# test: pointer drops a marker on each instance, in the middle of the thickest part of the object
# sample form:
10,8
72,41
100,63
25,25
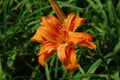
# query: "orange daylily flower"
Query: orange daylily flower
62,38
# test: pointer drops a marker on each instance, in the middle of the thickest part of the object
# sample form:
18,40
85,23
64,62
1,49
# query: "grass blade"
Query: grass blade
93,68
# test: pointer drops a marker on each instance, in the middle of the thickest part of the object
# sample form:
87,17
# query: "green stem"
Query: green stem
5,13
47,72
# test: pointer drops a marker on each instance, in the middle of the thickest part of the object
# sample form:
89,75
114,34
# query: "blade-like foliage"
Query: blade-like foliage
19,20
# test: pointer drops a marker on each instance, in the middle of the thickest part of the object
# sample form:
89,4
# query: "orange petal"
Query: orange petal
67,56
43,57
47,49
48,34
73,65
37,37
52,23
62,54
50,29
82,39
73,21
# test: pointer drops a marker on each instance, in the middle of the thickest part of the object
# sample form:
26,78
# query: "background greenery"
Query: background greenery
19,20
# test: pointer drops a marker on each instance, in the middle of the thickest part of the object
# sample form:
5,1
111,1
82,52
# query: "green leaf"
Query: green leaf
117,47
115,78
93,68
111,11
